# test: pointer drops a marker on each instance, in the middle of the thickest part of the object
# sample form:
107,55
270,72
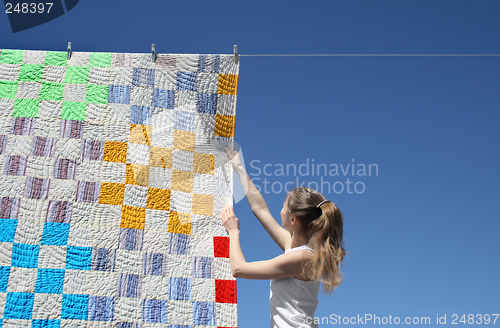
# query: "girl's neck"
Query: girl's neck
298,240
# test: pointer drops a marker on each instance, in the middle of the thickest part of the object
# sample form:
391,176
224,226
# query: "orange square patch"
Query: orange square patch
179,223
224,125
184,140
112,193
159,199
137,175
133,217
140,134
228,84
203,163
182,181
160,157
115,151
203,204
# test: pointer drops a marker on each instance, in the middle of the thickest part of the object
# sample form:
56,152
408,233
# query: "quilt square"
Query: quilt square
164,98
43,146
202,267
187,81
75,306
103,259
8,230
55,233
155,264
37,188
179,244
143,77
71,129
154,311
129,285
50,281
64,169
204,313
23,125
119,94
101,308
131,239
78,258
19,306
206,103
14,165
59,211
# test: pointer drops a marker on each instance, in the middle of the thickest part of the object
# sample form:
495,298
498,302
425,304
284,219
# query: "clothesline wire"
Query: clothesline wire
369,55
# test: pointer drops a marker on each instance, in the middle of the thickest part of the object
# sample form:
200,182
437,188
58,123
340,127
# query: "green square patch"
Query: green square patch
97,94
31,73
11,56
73,110
56,58
51,91
100,59
77,75
8,89
26,108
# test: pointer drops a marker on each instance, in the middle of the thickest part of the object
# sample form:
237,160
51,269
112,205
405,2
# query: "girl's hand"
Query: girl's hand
234,158
229,220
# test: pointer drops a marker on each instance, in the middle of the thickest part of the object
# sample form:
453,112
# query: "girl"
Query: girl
311,236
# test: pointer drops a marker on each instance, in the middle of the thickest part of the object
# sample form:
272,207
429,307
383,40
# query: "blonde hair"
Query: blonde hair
323,228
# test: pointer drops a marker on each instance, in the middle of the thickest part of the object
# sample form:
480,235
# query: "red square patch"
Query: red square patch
221,246
225,291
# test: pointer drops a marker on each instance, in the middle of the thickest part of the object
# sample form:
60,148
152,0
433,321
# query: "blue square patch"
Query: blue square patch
7,230
19,306
187,81
204,313
55,233
25,255
164,98
50,281
75,306
78,258
119,94
179,289
101,308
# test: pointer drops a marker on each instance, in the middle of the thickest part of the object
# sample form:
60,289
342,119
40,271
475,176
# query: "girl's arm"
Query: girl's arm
258,205
283,266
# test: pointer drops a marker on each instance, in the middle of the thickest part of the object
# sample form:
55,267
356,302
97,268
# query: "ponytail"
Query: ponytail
322,225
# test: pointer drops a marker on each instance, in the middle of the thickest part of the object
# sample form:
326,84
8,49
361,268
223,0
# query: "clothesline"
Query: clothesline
369,55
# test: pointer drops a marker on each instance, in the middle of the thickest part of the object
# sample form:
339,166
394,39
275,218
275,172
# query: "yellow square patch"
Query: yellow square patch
159,199
160,157
133,217
137,175
140,134
203,163
112,193
115,151
228,84
179,223
182,181
203,204
224,125
184,140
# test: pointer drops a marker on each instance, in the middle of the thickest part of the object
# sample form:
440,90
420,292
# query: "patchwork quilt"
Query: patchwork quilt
113,173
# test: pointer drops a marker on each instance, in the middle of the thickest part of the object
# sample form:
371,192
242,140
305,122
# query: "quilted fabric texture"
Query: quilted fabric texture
113,176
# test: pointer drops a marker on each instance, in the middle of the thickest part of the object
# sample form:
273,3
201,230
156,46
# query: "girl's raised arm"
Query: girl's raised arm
258,205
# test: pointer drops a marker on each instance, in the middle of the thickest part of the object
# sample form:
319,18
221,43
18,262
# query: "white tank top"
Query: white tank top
293,301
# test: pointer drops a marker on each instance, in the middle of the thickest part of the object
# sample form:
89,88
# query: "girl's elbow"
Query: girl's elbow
236,272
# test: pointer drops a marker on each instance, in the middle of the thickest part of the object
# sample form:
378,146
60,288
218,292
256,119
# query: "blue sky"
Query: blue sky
423,236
